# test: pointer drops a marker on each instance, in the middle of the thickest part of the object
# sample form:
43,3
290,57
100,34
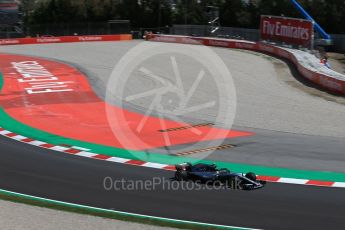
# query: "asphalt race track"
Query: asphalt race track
312,124
47,174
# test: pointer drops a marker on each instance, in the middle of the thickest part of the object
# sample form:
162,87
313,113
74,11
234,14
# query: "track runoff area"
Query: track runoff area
66,94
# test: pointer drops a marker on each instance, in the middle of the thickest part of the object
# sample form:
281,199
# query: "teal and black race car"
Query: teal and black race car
209,173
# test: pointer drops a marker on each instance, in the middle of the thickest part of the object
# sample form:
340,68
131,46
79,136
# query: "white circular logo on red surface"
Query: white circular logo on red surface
171,99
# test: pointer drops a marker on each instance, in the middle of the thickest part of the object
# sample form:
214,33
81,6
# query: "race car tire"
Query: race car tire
251,176
181,175
189,166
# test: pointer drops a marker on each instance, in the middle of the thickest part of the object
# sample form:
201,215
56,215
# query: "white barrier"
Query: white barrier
307,64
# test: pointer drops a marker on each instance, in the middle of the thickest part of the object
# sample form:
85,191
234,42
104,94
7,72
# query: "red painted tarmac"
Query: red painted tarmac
57,98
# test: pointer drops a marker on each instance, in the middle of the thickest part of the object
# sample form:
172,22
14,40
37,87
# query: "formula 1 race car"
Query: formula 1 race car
205,173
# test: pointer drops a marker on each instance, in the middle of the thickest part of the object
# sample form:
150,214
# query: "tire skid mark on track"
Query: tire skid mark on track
221,147
185,127
73,150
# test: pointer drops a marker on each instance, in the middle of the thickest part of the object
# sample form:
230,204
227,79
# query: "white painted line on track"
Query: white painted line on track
154,165
86,154
59,148
4,132
19,137
80,148
292,181
339,185
37,143
117,160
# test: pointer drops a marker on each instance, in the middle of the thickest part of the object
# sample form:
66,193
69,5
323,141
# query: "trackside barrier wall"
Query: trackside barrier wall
65,39
333,81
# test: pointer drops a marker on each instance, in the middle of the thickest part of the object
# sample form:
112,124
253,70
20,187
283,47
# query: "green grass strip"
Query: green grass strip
15,126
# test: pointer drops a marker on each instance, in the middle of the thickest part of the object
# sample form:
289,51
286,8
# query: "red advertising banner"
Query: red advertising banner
289,30
63,39
9,6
